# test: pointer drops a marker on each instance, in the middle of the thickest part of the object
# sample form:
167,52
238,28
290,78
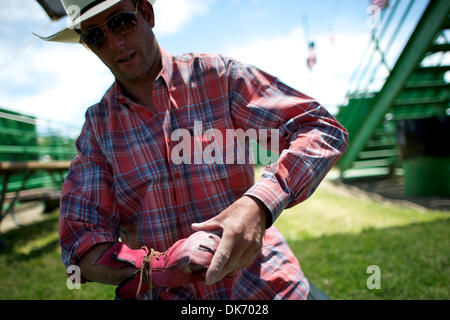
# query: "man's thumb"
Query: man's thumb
206,225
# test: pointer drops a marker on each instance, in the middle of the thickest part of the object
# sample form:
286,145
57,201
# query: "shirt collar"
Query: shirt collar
167,67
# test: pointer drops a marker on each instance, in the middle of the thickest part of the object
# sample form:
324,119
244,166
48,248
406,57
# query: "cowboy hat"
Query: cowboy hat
79,11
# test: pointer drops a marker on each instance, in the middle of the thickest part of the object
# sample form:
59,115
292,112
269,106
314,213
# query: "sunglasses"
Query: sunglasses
119,24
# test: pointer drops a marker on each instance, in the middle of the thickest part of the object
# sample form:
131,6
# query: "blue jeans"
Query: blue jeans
315,293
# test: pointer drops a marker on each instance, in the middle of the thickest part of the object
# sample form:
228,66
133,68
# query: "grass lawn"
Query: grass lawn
31,267
335,236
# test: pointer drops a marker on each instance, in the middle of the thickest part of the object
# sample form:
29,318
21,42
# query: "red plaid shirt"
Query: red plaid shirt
123,183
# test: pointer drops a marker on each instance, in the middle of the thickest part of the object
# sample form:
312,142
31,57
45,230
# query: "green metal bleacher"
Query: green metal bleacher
416,88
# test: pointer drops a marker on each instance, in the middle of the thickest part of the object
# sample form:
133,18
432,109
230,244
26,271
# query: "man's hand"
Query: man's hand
243,225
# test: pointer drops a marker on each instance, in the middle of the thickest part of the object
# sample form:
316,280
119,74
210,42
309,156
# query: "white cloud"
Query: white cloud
57,82
23,10
51,81
60,81
285,56
172,15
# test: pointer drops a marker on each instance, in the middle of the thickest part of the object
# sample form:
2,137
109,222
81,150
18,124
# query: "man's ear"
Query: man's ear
149,14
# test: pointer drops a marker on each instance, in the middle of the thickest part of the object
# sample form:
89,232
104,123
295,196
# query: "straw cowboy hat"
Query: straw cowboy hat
79,11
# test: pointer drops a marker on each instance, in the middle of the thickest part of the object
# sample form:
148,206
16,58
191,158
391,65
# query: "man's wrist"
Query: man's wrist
127,273
265,214
94,272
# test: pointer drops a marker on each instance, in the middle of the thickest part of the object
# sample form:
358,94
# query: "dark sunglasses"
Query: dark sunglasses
119,24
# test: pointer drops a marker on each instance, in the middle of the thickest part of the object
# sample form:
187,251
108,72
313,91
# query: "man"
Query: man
124,182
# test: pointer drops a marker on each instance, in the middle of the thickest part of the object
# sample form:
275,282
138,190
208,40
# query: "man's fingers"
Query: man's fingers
246,263
243,256
240,254
214,270
232,274
231,255
220,258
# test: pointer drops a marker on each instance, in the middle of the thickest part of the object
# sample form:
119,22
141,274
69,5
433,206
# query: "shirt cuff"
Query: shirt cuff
272,195
87,242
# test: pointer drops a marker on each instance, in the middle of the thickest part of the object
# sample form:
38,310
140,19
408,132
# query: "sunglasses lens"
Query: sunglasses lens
119,24
122,23
93,38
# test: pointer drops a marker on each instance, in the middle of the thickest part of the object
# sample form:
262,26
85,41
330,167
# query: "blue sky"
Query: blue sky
60,81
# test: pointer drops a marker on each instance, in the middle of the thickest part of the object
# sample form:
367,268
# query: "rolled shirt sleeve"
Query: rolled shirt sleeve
310,139
88,215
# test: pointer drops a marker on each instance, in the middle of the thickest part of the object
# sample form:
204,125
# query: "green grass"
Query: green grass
335,237
31,267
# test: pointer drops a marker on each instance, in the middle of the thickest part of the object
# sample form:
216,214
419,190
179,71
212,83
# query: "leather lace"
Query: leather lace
146,274
147,270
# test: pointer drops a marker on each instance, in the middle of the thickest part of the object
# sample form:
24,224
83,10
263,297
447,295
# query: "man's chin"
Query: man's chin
129,77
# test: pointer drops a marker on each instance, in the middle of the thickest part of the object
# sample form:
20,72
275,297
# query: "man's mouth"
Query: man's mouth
126,58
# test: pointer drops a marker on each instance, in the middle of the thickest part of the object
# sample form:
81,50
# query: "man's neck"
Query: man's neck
141,91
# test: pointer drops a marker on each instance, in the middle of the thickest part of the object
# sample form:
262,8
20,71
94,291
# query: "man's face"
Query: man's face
129,56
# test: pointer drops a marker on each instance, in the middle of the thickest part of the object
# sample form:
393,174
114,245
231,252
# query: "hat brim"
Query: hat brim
69,35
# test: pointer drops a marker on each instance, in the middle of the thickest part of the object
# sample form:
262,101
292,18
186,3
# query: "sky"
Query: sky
58,82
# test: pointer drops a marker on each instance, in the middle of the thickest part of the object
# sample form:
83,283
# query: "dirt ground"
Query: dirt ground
387,189
24,214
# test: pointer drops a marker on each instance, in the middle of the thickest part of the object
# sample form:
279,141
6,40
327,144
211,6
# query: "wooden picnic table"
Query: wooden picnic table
11,167
50,196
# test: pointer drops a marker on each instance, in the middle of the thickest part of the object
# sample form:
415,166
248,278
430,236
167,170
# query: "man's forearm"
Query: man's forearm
100,273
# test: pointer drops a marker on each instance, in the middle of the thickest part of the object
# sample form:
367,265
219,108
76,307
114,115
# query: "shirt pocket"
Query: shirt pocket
209,143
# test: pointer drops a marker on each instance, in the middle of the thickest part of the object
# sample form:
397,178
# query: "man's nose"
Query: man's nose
114,41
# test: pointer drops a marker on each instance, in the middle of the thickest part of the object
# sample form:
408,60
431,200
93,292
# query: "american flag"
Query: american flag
382,4
312,58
